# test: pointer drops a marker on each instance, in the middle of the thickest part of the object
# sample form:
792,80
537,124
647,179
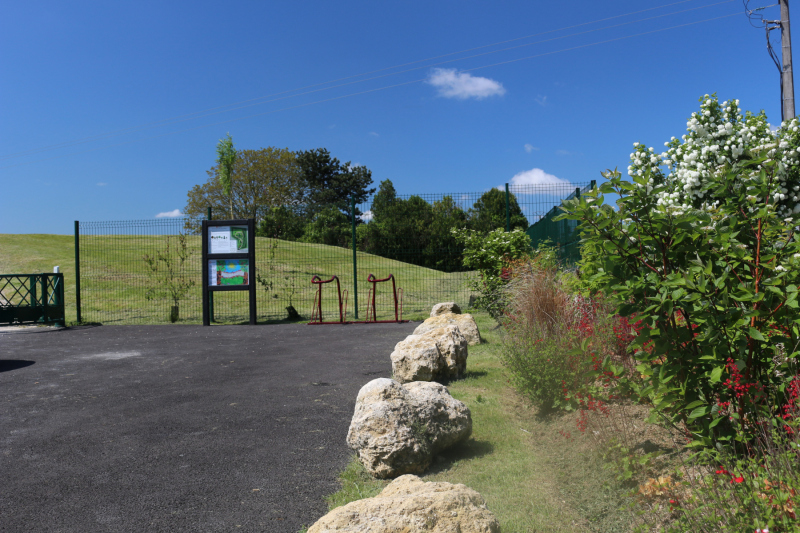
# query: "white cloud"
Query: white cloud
374,134
541,100
366,216
101,184
530,148
170,214
536,176
452,84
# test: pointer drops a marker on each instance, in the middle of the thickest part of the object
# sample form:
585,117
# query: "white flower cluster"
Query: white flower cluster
717,137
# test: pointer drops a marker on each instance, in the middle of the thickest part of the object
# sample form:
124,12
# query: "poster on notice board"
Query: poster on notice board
228,272
227,240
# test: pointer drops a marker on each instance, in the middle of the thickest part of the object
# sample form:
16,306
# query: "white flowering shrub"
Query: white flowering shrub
717,137
702,249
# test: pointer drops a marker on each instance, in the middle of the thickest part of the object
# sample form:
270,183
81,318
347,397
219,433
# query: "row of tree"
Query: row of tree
306,196
253,182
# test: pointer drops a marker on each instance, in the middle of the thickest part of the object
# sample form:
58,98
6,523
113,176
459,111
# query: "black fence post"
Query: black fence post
355,260
78,271
210,294
508,212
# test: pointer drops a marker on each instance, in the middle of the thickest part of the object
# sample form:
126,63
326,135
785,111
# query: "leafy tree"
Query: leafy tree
262,179
226,157
329,182
284,222
489,212
414,231
329,226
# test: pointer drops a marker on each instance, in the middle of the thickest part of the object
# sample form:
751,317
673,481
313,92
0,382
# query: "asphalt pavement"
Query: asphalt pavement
179,428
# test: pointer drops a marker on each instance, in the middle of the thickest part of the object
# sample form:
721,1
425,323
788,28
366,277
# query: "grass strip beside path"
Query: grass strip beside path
531,476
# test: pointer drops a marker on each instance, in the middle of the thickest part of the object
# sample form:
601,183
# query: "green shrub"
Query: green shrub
706,257
491,254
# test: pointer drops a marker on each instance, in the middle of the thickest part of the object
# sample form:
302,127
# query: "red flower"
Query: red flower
737,479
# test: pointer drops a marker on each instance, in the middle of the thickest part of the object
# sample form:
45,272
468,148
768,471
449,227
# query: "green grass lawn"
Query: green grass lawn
115,279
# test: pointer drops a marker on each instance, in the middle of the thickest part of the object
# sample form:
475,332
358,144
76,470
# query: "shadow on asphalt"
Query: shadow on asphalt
7,365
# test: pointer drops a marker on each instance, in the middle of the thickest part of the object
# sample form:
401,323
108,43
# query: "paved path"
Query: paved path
179,428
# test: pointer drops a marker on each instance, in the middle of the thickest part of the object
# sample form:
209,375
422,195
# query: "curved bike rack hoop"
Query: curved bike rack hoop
398,304
316,311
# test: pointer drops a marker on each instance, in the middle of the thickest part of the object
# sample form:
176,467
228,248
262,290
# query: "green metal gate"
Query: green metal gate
32,299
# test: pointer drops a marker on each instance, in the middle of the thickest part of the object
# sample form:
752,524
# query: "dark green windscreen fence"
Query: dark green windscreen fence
136,271
563,234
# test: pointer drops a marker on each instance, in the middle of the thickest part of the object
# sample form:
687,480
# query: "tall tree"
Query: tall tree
261,179
330,182
489,212
226,157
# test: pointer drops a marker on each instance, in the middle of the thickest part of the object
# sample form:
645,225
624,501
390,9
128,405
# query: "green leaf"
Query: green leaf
715,375
698,412
755,334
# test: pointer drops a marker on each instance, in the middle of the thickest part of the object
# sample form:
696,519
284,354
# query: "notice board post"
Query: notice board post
229,261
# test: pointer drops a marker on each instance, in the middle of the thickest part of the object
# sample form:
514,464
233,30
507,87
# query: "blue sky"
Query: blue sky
573,85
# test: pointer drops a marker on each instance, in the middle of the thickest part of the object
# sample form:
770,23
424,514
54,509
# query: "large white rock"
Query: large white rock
466,324
410,505
438,354
398,429
445,307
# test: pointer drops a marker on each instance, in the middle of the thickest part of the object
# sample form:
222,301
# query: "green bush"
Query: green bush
491,254
706,257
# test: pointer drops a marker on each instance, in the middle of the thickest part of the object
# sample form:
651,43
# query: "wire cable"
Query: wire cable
228,121
263,99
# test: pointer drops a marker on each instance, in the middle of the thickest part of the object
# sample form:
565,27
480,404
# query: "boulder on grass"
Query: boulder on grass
439,354
445,307
464,322
398,429
411,505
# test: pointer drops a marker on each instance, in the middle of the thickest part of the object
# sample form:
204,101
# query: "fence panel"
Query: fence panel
135,271
562,234
32,298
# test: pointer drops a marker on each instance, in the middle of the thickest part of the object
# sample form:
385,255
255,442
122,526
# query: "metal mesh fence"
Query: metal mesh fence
407,236
563,234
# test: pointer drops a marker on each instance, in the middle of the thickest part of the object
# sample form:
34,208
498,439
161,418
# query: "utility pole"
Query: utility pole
787,78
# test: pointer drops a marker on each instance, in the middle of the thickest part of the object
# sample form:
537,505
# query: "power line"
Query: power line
578,47
285,94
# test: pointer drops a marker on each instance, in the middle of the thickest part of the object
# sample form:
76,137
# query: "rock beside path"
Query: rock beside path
438,354
445,307
398,429
466,324
410,505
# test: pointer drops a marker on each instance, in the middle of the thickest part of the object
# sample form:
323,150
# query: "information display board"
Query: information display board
228,272
229,261
227,240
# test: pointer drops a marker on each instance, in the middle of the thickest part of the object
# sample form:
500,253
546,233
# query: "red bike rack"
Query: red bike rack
398,304
316,312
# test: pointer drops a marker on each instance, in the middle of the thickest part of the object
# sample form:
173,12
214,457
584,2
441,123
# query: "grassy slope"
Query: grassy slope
114,278
532,477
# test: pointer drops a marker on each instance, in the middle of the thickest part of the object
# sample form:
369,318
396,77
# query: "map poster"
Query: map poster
225,272
227,240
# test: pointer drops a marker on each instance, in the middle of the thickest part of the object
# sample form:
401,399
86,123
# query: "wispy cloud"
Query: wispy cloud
101,184
462,85
366,216
541,100
170,214
374,134
530,148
